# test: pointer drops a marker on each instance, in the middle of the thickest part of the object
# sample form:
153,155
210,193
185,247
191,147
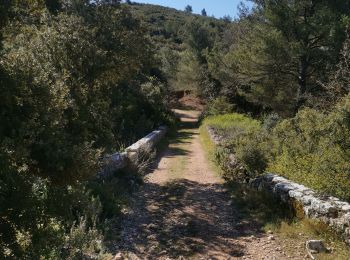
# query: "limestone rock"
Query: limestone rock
315,246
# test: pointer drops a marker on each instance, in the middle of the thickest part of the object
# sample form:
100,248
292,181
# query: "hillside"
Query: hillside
167,25
178,36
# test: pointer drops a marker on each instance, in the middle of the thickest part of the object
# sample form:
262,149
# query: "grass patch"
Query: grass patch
234,122
209,149
298,231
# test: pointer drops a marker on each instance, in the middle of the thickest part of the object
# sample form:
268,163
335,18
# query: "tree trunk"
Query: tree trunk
303,67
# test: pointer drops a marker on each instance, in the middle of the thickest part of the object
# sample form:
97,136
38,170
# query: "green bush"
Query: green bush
313,148
245,151
252,155
218,106
75,84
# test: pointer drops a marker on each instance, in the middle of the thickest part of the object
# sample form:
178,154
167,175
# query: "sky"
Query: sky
218,8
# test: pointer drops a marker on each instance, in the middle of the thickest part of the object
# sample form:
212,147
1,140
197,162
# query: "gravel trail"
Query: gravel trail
183,210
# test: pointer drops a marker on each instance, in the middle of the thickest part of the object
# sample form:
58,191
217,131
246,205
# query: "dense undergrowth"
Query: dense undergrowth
311,148
78,80
261,209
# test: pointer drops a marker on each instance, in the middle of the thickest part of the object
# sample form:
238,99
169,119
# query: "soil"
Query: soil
183,210
188,102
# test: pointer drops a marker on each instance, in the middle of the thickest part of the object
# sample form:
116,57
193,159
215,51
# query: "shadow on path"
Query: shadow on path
183,218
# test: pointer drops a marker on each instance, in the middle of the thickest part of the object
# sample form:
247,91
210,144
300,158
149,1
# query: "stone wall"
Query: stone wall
330,210
117,161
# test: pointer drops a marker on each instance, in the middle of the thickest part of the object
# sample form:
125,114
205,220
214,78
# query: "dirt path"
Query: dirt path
184,212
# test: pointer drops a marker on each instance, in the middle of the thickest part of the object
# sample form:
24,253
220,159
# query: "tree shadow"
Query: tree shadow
183,136
184,218
189,125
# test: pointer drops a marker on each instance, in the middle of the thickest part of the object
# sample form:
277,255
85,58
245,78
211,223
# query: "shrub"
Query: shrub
252,155
313,148
245,151
83,242
73,88
218,106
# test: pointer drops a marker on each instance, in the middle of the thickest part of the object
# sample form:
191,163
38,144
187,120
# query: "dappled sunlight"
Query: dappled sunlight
181,218
185,210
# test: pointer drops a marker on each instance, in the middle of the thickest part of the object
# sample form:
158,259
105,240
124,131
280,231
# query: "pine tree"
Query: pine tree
188,9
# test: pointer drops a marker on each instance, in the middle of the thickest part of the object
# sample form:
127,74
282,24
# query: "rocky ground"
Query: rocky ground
183,211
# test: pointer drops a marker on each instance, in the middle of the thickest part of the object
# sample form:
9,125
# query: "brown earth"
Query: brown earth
187,102
183,210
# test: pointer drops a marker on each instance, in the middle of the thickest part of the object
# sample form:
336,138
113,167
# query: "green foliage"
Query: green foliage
83,242
218,106
234,123
251,152
77,81
313,149
188,9
244,152
277,54
182,41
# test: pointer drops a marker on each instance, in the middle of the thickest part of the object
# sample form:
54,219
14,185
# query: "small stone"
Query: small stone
269,232
316,246
118,256
271,237
152,237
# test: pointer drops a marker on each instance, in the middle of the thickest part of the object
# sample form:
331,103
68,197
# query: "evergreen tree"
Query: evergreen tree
188,9
315,34
227,18
284,49
204,12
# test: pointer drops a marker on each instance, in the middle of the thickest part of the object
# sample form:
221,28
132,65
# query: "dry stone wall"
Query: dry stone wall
330,210
117,161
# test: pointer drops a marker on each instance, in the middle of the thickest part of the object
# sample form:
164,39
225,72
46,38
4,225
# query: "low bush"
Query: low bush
244,152
75,85
312,148
218,106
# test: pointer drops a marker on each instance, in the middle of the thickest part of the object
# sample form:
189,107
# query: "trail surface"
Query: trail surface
184,212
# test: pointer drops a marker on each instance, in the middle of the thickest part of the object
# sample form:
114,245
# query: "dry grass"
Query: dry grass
296,232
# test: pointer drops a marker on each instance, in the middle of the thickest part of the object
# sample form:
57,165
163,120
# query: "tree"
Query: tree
188,9
199,38
204,12
53,5
314,32
71,90
283,49
227,18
